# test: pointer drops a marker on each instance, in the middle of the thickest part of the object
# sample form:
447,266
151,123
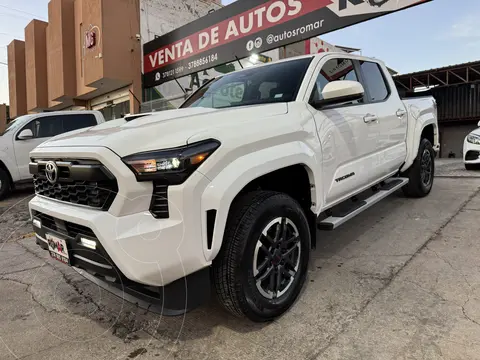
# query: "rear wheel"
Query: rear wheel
263,263
422,172
471,166
5,184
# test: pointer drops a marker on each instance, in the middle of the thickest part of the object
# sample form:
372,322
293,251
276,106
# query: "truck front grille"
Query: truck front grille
81,182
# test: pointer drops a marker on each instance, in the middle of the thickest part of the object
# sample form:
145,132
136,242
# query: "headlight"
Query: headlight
474,139
170,166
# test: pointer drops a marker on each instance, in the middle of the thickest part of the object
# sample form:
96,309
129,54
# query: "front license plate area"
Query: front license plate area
58,249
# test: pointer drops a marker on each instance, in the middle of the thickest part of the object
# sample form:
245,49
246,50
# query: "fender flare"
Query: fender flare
414,138
223,189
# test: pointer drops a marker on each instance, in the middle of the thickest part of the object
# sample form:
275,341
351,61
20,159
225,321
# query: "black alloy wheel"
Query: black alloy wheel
262,265
426,172
422,172
277,258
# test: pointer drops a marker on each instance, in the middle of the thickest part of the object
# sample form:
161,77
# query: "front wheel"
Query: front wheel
263,263
422,172
471,166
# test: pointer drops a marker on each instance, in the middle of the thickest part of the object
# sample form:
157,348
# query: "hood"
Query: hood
162,130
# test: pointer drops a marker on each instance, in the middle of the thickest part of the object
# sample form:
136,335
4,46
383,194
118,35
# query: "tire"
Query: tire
417,187
5,184
471,167
242,256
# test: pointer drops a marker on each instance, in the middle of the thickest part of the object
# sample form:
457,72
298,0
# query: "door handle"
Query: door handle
401,113
370,118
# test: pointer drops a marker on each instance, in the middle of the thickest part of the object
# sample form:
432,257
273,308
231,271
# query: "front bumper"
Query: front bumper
471,153
144,250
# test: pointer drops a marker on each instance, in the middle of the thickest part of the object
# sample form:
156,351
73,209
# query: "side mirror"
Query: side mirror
478,124
340,91
25,134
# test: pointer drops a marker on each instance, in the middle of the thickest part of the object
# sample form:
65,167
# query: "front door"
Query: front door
347,136
42,128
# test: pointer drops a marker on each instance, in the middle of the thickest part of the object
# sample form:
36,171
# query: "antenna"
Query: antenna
236,57
181,87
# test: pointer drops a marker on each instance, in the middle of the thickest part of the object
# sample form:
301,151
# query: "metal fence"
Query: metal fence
458,103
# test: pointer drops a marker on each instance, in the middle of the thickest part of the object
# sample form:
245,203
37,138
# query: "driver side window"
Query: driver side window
334,70
45,127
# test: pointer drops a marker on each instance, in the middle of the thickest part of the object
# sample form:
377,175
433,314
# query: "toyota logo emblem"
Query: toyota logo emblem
51,171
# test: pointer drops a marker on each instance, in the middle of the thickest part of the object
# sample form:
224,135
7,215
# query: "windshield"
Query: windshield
261,85
14,124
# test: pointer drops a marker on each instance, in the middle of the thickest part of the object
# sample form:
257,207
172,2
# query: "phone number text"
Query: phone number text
189,66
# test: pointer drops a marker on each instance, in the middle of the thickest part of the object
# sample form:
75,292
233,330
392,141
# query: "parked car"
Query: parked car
471,150
26,132
230,188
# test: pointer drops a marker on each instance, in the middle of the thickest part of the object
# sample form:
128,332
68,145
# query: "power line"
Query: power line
10,34
2,63
21,11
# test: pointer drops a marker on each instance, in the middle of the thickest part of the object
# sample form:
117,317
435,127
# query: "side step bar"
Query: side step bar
390,186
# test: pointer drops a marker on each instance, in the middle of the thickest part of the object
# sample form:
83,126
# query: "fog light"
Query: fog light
37,223
91,244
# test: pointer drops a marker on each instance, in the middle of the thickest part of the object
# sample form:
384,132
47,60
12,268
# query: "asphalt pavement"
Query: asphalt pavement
400,281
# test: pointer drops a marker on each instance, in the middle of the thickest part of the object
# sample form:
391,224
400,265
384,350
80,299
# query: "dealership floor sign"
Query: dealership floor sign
253,26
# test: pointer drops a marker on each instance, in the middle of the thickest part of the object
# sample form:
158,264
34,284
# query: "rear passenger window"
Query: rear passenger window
374,81
78,121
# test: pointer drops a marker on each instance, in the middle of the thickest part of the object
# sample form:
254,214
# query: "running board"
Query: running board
389,186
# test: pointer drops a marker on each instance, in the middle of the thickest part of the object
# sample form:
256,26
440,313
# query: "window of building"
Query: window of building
374,81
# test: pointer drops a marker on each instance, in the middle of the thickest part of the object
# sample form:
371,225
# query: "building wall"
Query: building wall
452,137
3,117
63,71
36,65
16,78
61,52
159,17
82,89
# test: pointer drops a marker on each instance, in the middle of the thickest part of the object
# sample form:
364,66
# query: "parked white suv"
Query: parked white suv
26,132
231,187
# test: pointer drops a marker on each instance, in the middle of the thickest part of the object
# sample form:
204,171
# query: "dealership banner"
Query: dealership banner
249,27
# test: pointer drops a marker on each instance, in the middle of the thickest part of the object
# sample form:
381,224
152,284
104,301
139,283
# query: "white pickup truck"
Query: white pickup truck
26,132
230,189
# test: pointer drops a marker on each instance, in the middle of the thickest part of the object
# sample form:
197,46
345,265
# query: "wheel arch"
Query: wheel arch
5,168
424,128
255,171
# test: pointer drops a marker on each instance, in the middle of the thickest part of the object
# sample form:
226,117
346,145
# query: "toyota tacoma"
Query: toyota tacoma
232,189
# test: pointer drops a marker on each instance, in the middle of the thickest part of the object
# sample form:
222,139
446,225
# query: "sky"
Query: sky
439,33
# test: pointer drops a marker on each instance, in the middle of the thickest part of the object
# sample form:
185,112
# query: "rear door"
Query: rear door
390,113
347,137
78,121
